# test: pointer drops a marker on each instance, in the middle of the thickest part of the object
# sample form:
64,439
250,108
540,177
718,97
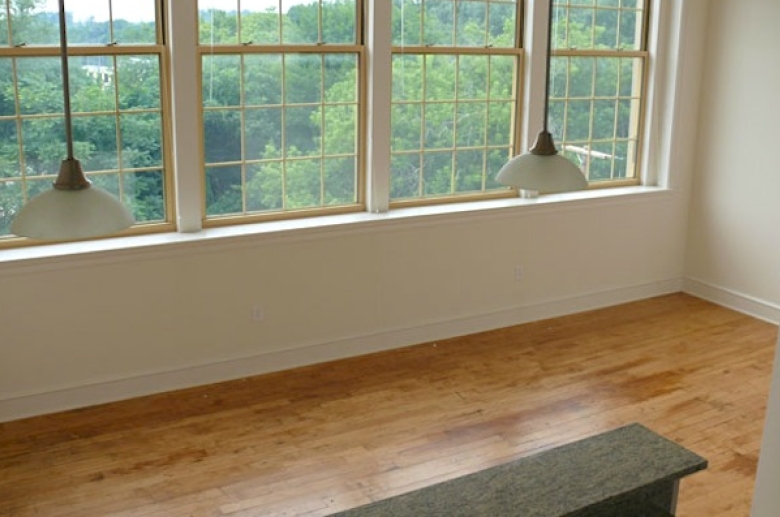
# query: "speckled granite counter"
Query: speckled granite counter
628,472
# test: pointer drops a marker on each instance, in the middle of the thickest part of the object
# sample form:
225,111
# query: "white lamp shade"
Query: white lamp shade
71,214
547,174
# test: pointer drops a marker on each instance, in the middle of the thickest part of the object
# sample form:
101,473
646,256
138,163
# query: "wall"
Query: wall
733,256
733,253
91,328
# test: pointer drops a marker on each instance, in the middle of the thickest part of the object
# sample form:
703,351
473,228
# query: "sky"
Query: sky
143,10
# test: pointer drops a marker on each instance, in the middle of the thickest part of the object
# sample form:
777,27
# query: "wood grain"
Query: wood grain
315,440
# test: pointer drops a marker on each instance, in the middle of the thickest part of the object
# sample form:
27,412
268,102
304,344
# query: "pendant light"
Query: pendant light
543,170
73,209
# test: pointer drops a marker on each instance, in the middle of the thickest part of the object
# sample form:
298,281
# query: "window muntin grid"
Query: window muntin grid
36,23
600,24
278,22
116,104
598,74
281,117
594,113
454,97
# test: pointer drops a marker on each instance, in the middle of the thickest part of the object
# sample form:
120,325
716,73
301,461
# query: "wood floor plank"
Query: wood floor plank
319,439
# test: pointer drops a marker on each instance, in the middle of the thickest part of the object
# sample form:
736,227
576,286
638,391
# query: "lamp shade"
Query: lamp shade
543,173
71,214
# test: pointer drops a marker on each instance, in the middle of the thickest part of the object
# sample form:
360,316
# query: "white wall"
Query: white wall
734,247
86,329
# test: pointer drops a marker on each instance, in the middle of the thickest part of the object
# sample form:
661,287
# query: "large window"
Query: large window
454,97
598,77
270,99
280,83
115,76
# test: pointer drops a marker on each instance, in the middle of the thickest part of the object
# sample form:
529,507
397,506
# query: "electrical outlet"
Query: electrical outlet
258,313
518,272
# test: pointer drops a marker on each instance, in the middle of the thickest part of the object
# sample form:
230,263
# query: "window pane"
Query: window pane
134,22
40,85
406,176
222,135
340,177
218,22
468,170
92,84
263,130
407,126
96,30
11,201
262,79
338,21
221,80
408,77
302,78
265,187
260,21
141,140
303,180
44,145
437,173
502,24
300,22
223,190
9,149
139,82
99,134
33,23
144,193
407,22
7,102
4,42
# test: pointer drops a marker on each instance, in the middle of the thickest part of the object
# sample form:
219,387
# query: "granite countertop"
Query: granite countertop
554,483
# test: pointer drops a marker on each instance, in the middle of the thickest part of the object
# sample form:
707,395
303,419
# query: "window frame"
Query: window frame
114,50
639,111
177,23
320,48
518,51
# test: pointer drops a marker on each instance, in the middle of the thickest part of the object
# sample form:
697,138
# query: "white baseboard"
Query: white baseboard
737,301
22,406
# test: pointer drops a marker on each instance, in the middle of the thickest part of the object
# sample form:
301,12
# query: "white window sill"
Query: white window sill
125,248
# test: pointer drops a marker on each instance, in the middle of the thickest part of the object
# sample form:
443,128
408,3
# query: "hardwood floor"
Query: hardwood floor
324,438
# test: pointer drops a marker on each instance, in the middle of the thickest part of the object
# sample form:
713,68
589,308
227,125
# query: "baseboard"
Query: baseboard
735,300
22,406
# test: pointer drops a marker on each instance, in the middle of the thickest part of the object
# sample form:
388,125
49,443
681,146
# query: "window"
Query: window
597,81
454,97
281,110
115,69
281,117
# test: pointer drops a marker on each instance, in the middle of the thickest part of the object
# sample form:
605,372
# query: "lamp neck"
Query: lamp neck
65,80
544,145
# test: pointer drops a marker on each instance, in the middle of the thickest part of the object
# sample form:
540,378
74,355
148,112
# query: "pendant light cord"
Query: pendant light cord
548,59
66,80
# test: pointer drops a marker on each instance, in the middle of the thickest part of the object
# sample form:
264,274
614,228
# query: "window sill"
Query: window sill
243,235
